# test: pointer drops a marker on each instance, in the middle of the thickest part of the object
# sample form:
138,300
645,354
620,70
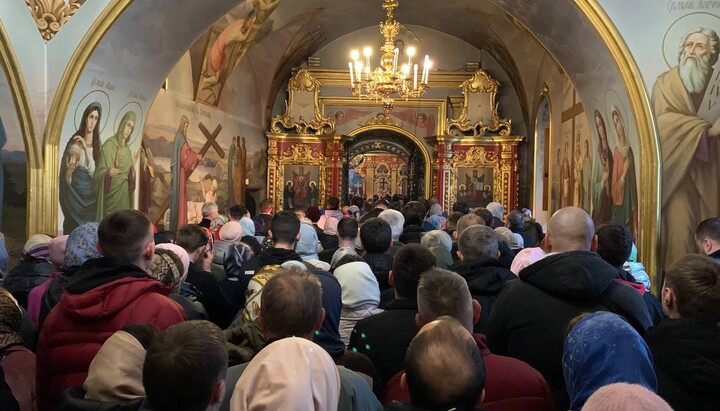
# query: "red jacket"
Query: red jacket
510,384
102,297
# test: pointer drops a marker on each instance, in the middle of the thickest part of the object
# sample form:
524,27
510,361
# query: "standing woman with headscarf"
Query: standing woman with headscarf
114,178
77,195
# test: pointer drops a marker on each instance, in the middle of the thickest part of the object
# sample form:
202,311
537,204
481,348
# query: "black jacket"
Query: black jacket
529,318
486,279
216,303
28,274
73,399
687,363
385,337
380,264
651,302
411,234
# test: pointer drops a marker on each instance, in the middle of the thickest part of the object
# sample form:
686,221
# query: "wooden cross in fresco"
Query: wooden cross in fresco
211,137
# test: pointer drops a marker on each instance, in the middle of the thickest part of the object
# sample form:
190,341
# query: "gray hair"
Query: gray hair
442,292
436,238
208,208
478,241
496,209
396,221
713,43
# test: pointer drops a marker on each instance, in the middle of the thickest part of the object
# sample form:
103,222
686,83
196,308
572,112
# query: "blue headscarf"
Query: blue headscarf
81,246
603,349
432,223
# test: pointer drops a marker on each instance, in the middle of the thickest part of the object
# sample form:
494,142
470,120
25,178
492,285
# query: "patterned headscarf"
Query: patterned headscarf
81,245
37,247
254,291
10,320
167,267
602,349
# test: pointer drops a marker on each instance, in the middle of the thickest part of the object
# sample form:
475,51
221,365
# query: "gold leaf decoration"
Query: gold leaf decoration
51,15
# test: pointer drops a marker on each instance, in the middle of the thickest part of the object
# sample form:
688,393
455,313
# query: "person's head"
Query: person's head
496,209
444,368
621,396
409,263
193,239
209,210
332,203
291,305
232,231
484,213
313,213
526,257
614,243
478,241
697,54
126,127
515,219
307,245
237,212
571,229
442,292
111,380
415,208
707,236
619,127
266,206
692,289
601,349
396,221
451,224
185,367
376,235
37,248
168,267
11,320
56,250
291,374
285,229
81,246
347,229
601,130
339,256
183,127
461,207
127,235
358,283
466,221
436,238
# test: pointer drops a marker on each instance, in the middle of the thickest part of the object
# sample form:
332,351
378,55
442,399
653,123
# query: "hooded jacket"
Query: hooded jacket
103,296
687,362
486,279
529,318
380,264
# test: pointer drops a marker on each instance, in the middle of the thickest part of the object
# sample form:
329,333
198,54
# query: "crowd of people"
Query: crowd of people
379,304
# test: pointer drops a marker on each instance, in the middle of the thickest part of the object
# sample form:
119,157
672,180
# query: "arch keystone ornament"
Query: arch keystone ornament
51,15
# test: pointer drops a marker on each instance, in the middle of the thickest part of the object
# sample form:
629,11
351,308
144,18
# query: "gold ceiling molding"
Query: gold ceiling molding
61,102
470,120
51,15
303,91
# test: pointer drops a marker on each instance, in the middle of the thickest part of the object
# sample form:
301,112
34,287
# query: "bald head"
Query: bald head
570,229
443,367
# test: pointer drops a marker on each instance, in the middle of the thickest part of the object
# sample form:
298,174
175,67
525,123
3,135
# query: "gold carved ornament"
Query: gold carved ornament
381,119
304,155
480,82
51,15
303,82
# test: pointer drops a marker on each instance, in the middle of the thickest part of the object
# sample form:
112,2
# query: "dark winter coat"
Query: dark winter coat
486,279
211,296
380,264
529,318
28,274
102,297
687,363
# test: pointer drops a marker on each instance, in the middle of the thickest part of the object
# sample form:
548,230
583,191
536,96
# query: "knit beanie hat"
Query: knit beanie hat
231,231
37,247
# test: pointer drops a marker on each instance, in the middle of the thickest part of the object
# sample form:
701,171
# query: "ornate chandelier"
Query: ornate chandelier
392,78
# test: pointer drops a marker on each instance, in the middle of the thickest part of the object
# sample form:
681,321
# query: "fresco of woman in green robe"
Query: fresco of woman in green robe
114,178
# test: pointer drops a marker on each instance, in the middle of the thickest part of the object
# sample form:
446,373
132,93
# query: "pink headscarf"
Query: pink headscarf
622,396
526,257
292,374
57,250
331,226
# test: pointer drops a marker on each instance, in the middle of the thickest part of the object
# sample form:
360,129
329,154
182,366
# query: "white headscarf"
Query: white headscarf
358,284
292,374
